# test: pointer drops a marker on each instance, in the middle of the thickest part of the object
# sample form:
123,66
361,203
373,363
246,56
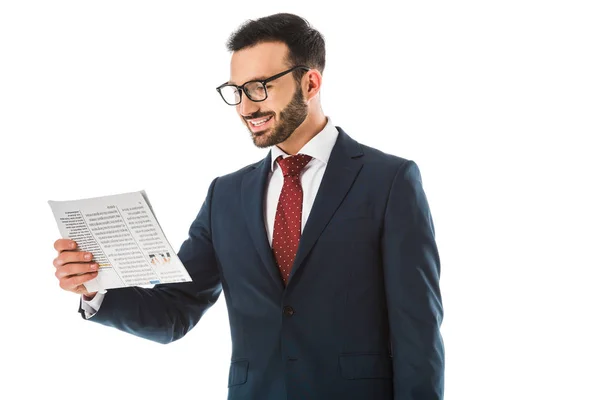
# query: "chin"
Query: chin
261,141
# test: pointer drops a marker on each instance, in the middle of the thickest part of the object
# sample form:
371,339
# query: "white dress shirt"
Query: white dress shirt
319,148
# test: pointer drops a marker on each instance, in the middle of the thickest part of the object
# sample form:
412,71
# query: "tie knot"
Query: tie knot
292,165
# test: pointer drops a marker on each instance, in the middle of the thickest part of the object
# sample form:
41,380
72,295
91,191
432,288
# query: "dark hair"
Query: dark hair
306,44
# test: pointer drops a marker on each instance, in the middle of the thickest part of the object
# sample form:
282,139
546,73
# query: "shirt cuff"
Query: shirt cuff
92,306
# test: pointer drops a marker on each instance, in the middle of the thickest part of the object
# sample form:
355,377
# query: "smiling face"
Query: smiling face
275,119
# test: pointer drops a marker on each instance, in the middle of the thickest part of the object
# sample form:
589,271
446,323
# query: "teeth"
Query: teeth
262,121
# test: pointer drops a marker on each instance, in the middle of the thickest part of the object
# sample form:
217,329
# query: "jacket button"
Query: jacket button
288,311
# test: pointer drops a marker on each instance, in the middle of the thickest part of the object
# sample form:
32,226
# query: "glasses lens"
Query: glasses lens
230,94
256,91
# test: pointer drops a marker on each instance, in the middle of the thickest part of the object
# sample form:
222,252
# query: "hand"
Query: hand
73,267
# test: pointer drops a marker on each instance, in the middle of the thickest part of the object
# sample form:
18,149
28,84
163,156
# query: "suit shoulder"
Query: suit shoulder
377,156
238,174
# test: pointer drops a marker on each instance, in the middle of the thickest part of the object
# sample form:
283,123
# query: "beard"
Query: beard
290,118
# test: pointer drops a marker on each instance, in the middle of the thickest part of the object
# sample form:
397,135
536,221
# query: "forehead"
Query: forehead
258,62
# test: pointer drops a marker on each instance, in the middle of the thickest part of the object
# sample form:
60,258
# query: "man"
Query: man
324,249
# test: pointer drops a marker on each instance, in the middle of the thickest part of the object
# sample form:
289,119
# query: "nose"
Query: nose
247,106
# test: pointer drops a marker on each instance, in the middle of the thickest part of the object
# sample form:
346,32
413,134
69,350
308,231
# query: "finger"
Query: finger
81,290
72,256
65,244
75,269
71,283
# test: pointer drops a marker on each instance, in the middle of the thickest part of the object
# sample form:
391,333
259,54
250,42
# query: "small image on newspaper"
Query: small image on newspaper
125,238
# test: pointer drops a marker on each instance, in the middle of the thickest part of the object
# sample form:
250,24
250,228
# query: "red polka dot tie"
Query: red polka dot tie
288,218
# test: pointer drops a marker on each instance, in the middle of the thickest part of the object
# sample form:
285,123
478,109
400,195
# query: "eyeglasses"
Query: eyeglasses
255,90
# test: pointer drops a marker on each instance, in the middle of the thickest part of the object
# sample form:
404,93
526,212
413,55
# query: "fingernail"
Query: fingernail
88,256
94,266
73,245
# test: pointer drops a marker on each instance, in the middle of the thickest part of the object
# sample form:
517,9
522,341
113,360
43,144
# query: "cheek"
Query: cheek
269,107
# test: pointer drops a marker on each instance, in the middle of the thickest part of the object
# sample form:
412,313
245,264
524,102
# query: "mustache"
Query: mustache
258,115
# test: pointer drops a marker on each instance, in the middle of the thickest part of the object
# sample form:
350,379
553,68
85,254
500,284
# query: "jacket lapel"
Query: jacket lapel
341,171
253,193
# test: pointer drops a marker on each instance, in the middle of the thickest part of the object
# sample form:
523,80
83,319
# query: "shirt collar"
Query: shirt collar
319,147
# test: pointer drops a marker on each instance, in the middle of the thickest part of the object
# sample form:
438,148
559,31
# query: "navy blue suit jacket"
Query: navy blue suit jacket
360,316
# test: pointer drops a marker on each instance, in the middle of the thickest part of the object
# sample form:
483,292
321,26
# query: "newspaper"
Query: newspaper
125,238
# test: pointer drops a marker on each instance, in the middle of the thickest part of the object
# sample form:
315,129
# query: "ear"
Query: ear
311,83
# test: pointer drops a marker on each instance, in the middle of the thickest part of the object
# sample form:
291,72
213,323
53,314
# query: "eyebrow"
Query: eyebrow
259,78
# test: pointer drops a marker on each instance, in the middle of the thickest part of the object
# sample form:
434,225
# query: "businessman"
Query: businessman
324,250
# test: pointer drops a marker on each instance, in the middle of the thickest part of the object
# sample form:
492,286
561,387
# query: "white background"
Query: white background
497,102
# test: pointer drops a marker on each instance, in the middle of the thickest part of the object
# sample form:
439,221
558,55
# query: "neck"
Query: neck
312,125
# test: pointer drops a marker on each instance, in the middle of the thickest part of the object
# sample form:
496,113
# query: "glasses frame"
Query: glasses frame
264,82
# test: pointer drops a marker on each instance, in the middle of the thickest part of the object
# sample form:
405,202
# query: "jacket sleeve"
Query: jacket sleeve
412,270
167,312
